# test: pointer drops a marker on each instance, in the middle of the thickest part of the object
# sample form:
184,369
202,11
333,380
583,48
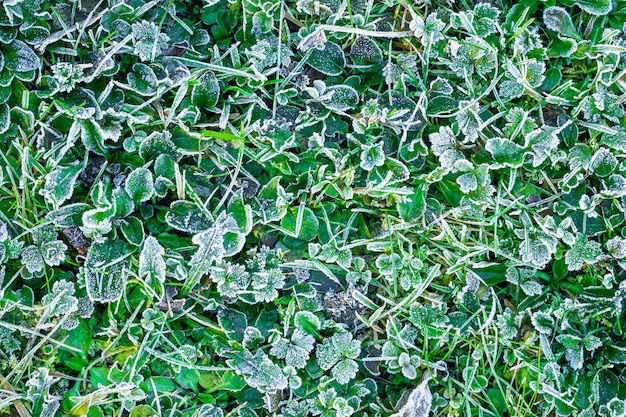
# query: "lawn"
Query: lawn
247,208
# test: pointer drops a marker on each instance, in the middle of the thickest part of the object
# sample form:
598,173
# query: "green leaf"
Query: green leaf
583,251
329,61
372,156
132,229
105,270
505,152
19,57
32,259
301,223
60,182
340,98
5,117
558,19
595,7
158,144
53,252
140,185
207,92
187,217
151,262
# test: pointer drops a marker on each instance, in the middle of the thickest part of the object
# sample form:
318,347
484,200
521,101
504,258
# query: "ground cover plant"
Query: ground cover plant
247,208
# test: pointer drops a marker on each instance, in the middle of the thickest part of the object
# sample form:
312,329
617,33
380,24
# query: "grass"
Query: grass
297,208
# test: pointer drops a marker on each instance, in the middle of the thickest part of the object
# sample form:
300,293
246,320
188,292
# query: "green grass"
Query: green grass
297,208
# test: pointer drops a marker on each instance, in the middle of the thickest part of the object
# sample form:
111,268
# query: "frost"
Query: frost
59,185
469,121
372,156
259,371
67,75
340,98
538,250
365,49
442,141
505,152
147,40
54,252
542,142
43,403
208,410
105,272
230,279
467,182
338,352
32,259
603,162
266,284
429,30
617,247
485,19
19,57
522,277
61,299
211,244
329,60
186,217
151,262
616,141
419,402
583,251
8,342
595,7
543,322
207,92
140,185
142,79
296,351
558,19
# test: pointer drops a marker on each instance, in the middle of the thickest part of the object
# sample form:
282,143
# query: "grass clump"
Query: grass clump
312,208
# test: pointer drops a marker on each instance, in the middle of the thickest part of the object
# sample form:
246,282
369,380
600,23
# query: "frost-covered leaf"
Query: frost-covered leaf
105,270
61,300
147,40
485,19
43,403
595,7
542,142
140,185
372,156
617,247
259,371
142,79
339,347
505,152
538,250
340,98
307,322
211,248
32,259
208,410
345,371
329,60
151,262
543,322
603,162
467,182
296,351
53,252
60,183
266,284
19,57
419,402
558,19
187,217
365,50
583,251
272,201
5,117
230,279
157,144
207,92
616,140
